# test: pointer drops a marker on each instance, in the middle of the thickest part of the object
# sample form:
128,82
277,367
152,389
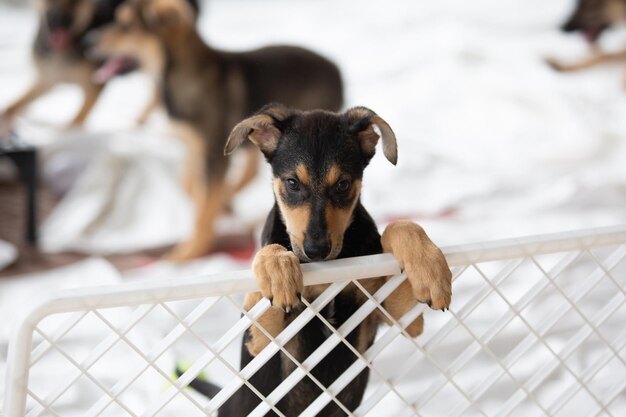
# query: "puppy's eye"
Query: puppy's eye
342,186
292,184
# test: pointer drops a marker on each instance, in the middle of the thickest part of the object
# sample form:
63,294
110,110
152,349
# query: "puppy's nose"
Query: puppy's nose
316,249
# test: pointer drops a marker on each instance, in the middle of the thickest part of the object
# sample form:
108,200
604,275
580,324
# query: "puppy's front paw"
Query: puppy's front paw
278,273
424,264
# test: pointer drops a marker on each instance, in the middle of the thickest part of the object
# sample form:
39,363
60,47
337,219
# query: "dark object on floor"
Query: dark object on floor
24,157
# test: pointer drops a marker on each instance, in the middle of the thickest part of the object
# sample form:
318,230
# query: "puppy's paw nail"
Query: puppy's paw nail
271,299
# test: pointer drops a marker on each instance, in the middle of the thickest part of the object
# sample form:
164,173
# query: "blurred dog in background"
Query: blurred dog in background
592,18
123,44
207,91
60,55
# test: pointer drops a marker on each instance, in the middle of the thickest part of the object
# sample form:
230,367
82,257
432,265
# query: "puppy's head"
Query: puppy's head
133,41
317,159
66,21
593,17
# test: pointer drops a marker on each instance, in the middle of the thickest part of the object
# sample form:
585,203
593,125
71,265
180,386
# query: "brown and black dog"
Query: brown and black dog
592,18
59,53
317,160
207,91
123,44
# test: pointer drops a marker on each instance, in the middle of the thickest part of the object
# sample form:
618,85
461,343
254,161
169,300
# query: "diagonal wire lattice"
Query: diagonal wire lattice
535,328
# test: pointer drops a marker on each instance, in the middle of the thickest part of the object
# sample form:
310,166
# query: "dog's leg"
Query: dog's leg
35,91
91,92
204,178
209,202
194,175
38,89
251,169
151,107
423,262
398,303
278,274
591,61
273,321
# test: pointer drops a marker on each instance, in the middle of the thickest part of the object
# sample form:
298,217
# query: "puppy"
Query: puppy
206,91
60,56
592,18
317,160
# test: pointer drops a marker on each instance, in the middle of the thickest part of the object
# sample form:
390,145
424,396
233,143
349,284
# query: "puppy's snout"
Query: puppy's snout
317,249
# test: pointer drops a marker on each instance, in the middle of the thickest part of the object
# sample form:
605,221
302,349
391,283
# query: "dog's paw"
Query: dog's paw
423,262
278,273
186,251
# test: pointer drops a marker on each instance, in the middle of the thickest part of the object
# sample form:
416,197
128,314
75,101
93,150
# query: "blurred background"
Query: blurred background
493,143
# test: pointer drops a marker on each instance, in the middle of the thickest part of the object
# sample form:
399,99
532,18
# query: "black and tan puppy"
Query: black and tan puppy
318,159
207,91
59,53
592,18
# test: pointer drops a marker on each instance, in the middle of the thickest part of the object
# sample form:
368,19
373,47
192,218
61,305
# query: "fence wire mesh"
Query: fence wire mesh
536,327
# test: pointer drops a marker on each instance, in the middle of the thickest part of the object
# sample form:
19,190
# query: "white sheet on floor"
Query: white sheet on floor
492,143
127,198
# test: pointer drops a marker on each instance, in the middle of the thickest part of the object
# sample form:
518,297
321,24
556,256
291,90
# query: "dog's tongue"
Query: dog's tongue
113,67
60,39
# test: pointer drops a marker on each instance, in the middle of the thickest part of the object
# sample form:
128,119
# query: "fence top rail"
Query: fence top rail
242,281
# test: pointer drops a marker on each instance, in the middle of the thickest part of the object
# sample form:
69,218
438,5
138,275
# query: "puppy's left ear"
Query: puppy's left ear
362,121
261,129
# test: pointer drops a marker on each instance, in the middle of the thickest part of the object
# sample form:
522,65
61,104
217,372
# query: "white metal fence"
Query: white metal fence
537,327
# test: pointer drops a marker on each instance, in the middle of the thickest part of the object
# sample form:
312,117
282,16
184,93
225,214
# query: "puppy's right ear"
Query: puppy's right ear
362,121
261,129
